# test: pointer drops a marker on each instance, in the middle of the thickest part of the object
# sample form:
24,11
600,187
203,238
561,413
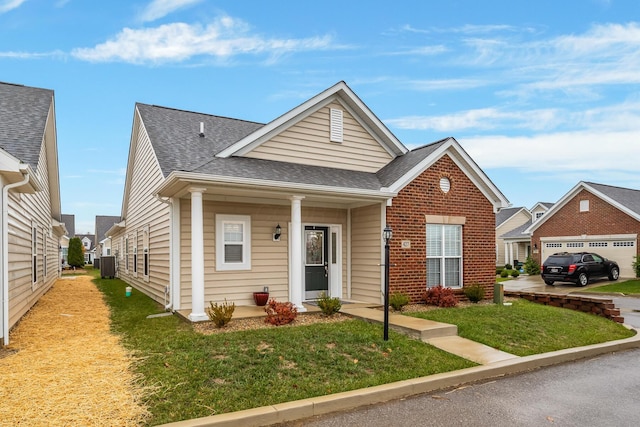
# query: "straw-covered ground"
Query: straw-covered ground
64,367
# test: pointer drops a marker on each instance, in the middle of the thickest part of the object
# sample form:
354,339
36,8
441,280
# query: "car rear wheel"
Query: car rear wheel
549,282
614,273
583,279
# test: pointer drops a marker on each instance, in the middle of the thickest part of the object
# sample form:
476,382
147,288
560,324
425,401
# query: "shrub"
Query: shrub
636,266
220,314
504,273
515,273
75,256
474,292
498,270
531,267
508,266
398,300
328,305
280,313
440,296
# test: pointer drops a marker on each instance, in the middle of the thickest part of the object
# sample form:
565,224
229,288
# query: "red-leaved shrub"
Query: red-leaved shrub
280,313
440,296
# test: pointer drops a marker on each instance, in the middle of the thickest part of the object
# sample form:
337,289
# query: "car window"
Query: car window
596,258
587,258
558,259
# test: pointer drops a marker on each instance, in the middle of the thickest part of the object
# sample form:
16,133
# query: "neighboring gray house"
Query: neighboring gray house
513,243
31,225
69,222
103,240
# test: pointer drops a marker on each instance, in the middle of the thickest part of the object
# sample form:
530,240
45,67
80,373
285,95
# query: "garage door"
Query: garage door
619,250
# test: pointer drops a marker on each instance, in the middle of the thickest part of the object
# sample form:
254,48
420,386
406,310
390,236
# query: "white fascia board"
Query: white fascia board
135,130
303,110
612,202
115,228
207,179
466,164
559,204
514,214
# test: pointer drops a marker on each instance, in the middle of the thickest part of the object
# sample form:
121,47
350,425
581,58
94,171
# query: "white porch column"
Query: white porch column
511,253
197,257
506,253
296,282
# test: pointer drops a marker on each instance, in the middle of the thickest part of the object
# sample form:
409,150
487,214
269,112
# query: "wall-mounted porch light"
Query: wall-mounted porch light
277,233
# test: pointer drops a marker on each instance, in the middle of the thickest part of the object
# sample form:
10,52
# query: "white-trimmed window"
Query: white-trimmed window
233,242
34,253
44,254
444,255
135,254
126,254
336,131
145,253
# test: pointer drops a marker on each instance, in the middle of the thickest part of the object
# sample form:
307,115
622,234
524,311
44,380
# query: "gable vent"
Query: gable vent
336,125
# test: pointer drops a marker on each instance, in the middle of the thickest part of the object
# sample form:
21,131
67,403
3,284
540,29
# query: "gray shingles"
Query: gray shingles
23,117
103,224
69,222
403,164
505,214
624,196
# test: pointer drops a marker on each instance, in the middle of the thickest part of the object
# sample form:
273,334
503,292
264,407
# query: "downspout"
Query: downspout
5,256
169,305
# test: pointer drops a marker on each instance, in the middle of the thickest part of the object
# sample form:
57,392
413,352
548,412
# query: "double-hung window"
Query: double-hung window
444,255
233,242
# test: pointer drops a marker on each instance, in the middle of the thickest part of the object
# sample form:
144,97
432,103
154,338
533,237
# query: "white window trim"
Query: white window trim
584,205
135,254
44,254
34,254
246,243
145,254
443,257
126,254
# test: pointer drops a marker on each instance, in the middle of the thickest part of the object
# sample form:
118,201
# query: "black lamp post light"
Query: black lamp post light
387,233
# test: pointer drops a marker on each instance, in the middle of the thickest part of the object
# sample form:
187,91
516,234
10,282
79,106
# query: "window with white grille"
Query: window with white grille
336,131
629,243
598,244
444,255
553,245
233,242
575,245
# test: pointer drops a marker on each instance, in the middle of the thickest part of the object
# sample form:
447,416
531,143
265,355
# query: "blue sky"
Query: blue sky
542,94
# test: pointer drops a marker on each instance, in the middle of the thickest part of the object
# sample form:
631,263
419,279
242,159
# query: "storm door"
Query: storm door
316,261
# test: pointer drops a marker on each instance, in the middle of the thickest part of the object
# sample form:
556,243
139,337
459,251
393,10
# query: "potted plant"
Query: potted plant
261,297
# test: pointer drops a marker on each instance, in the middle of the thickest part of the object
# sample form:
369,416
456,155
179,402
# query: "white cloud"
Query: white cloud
7,5
223,38
585,151
160,8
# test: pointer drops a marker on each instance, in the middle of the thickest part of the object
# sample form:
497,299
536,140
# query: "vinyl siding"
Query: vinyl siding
307,142
269,259
366,253
145,212
25,210
513,222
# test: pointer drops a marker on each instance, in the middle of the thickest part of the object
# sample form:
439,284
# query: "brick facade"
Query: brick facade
406,216
601,219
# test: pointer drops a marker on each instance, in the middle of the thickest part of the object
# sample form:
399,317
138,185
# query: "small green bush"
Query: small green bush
474,293
397,300
515,273
220,314
504,273
498,270
508,266
280,313
328,305
636,265
440,296
531,267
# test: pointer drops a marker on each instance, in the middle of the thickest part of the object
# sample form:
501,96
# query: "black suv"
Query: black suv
578,267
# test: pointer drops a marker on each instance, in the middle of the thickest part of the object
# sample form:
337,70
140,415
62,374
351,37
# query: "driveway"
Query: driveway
629,306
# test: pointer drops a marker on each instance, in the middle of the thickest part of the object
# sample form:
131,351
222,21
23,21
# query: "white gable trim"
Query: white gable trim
465,163
339,90
570,195
514,214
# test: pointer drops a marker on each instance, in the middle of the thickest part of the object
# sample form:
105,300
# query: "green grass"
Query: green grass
630,287
526,328
197,375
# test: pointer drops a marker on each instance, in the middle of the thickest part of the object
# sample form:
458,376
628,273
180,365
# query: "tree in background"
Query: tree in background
75,255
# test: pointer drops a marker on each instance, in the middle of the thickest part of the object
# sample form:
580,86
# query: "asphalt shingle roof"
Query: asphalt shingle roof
69,222
624,196
505,214
103,224
178,146
23,117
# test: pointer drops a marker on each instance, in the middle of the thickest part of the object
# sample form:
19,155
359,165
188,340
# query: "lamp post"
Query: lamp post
387,233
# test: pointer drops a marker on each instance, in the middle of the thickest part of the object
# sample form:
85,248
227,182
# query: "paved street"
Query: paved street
602,391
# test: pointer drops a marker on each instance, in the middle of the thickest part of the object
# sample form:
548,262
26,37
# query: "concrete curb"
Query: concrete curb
306,408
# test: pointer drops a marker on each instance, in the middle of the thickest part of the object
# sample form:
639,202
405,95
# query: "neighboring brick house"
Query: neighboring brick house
297,205
593,218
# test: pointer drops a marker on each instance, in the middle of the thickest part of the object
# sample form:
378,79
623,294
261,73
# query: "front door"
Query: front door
316,261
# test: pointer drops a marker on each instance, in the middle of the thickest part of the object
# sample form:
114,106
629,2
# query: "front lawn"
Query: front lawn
526,328
194,375
630,287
